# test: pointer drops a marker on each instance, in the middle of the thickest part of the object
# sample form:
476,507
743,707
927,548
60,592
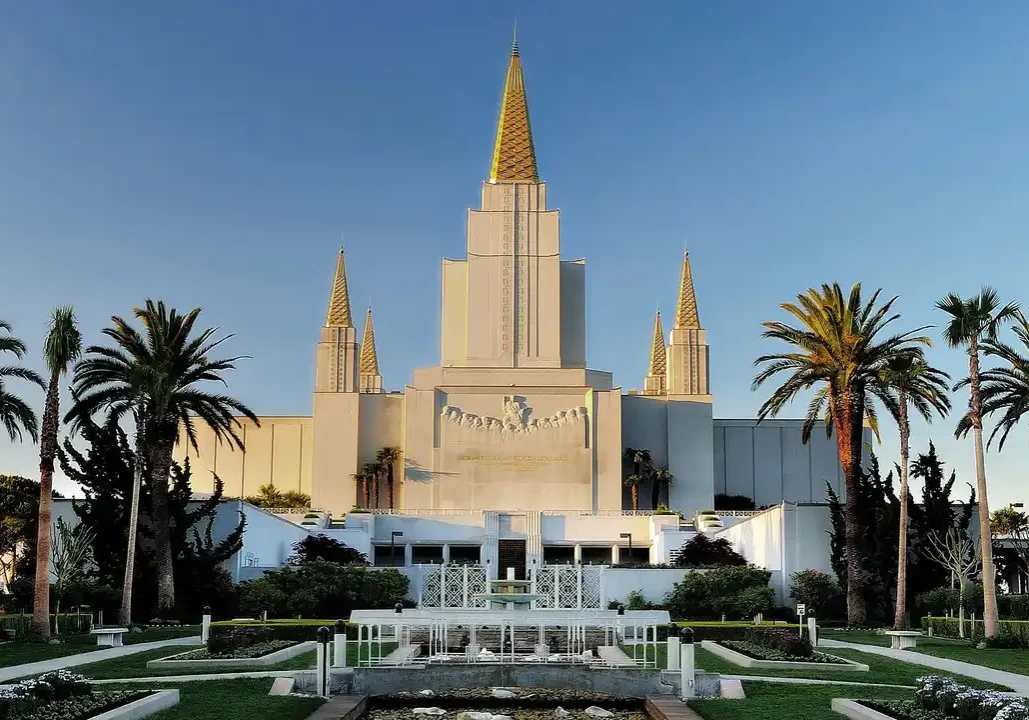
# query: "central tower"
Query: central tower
513,303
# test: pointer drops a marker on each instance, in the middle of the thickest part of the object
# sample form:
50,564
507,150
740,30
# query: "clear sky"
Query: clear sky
212,154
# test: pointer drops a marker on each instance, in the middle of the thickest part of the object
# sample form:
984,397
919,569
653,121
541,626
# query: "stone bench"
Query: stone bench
903,639
109,637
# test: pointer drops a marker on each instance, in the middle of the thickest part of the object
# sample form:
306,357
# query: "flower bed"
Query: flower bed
940,698
60,695
760,652
238,653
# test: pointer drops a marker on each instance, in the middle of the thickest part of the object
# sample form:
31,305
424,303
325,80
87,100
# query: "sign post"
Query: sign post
801,611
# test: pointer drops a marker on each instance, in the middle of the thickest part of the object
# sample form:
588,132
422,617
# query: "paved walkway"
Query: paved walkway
87,658
1018,683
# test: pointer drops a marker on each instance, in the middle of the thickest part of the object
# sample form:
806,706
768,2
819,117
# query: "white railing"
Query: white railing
599,513
294,511
737,513
515,511
419,511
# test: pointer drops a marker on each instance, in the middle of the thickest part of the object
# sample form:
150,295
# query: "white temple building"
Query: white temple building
511,449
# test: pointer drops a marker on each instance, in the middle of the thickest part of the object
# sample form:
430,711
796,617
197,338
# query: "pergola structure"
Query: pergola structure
471,635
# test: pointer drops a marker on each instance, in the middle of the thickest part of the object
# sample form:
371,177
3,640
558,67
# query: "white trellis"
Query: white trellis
452,586
568,586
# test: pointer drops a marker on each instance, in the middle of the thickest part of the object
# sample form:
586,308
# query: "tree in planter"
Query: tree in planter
370,472
268,496
701,551
733,502
633,482
838,351
970,323
70,553
660,479
819,591
961,556
387,458
322,547
922,387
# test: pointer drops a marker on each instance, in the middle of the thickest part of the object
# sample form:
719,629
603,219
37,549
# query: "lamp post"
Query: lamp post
393,546
628,536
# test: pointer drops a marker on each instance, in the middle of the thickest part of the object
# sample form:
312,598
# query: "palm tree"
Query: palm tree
362,488
159,373
923,387
972,321
15,414
837,351
633,482
370,474
1004,389
659,478
387,458
62,347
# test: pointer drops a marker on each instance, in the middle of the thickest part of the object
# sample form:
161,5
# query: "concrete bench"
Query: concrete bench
109,637
903,639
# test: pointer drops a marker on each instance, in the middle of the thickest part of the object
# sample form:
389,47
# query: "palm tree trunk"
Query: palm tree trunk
375,491
655,493
160,464
365,492
847,424
48,449
125,612
990,625
900,621
635,497
389,484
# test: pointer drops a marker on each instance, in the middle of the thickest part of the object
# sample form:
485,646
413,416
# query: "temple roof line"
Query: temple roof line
339,304
514,155
686,314
658,351
369,361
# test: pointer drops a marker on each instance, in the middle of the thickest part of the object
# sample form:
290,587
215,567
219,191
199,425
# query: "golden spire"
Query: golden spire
658,351
686,315
369,364
339,304
514,157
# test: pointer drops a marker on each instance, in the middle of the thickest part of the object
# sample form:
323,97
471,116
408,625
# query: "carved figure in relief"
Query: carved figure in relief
514,420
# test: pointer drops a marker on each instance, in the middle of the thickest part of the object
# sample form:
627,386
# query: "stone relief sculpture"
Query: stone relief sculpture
515,420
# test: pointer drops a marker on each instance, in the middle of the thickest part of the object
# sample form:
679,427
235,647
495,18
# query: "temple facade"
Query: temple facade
513,422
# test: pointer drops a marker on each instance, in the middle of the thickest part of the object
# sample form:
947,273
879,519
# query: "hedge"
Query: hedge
228,637
1017,630
67,624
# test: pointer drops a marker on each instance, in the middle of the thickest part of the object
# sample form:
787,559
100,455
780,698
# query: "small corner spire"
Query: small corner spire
658,351
514,42
369,363
339,304
686,314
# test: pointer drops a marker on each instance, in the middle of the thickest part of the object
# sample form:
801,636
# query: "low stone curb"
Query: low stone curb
270,659
341,707
737,658
856,711
144,707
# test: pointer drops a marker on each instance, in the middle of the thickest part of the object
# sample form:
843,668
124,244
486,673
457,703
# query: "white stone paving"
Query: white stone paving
88,658
1018,683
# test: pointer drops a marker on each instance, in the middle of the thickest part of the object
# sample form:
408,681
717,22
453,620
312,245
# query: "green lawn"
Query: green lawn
771,701
881,670
18,653
233,700
1016,661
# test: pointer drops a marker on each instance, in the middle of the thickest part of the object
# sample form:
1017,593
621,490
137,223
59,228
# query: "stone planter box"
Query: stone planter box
856,711
144,707
738,658
171,663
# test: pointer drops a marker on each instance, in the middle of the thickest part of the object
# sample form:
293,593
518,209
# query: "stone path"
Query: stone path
88,658
614,656
1018,683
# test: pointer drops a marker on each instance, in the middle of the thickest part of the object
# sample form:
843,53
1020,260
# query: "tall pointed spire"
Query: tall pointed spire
658,352
686,315
369,359
339,303
514,156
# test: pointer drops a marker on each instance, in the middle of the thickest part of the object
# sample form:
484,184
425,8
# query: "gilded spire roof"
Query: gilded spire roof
369,364
339,303
686,315
658,352
514,157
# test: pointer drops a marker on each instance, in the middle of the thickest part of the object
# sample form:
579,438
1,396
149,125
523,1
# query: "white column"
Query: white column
205,626
446,552
812,630
408,555
614,554
577,554
339,648
673,652
687,671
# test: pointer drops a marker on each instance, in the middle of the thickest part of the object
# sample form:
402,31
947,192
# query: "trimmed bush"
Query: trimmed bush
785,640
737,592
226,639
820,592
700,551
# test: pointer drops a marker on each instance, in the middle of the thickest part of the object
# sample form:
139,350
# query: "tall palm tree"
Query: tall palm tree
370,473
387,458
922,387
1004,389
160,371
62,347
15,414
660,478
641,462
971,322
633,482
362,488
838,352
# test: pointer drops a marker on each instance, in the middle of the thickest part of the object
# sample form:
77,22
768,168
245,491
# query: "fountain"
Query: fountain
509,593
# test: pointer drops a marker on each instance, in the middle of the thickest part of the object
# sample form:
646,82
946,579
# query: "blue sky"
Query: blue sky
212,154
